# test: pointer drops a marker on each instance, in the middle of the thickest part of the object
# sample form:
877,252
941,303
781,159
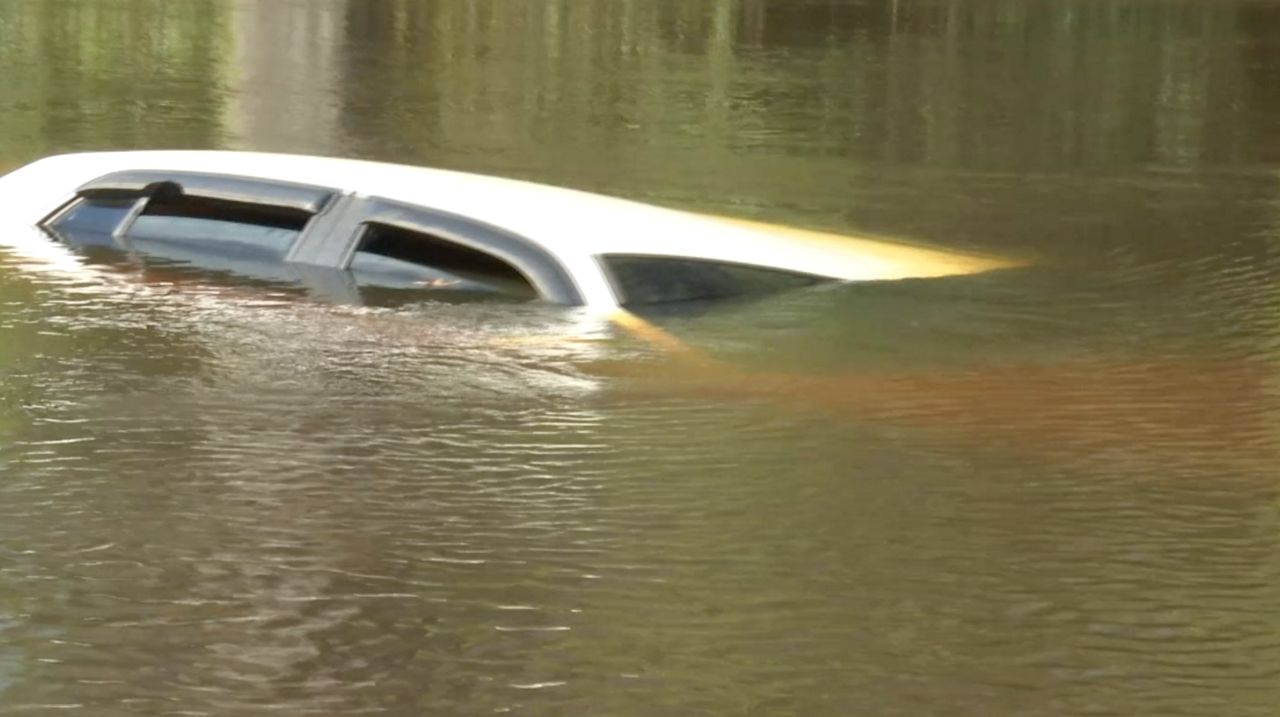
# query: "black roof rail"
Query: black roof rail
229,188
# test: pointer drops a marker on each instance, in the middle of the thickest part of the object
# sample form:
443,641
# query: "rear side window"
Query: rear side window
100,216
396,257
658,279
176,217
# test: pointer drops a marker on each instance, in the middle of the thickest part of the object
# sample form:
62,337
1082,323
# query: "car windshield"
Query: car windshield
640,280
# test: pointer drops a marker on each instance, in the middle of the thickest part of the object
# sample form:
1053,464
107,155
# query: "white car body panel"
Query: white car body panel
575,227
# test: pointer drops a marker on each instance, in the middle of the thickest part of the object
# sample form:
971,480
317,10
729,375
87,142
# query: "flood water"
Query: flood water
1044,491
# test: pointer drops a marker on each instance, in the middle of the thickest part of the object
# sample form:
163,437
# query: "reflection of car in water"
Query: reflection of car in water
338,226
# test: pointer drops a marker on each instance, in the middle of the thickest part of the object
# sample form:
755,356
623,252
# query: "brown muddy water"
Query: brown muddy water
1047,491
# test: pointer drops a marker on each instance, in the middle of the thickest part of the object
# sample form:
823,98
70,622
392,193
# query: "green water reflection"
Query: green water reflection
1046,491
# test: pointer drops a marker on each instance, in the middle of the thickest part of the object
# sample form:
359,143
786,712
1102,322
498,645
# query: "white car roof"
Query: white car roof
572,225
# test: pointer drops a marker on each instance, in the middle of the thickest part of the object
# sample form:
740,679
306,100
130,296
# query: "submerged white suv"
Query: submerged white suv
335,225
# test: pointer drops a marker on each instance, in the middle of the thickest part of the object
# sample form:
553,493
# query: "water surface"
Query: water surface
1042,491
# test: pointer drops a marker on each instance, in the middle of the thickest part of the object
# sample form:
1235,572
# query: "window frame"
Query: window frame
546,274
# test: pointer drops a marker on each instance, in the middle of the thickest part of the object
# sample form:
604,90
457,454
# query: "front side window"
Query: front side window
395,257
639,279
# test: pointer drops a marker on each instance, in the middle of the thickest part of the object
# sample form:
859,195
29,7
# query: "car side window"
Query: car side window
100,216
246,227
639,279
395,257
